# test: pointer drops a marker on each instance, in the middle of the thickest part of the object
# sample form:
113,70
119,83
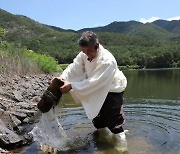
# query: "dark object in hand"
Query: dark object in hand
51,96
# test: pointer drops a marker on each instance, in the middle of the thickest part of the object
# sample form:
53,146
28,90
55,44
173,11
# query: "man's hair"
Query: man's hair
88,38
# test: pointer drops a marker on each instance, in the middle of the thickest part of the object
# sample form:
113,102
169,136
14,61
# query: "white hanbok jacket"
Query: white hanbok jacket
92,81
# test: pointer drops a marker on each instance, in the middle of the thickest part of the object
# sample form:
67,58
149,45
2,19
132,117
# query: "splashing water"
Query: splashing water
48,131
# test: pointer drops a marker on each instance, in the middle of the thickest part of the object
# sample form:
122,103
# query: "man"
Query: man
95,81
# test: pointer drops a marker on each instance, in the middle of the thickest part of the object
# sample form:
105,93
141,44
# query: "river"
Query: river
152,109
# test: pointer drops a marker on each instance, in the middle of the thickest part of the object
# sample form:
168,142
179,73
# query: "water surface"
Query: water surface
152,109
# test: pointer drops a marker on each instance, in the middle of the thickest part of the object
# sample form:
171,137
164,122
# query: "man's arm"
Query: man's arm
102,76
75,70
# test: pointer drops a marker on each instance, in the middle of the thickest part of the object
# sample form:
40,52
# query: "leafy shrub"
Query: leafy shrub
63,66
46,63
17,60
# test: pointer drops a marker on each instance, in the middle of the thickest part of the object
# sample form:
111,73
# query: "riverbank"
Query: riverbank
18,99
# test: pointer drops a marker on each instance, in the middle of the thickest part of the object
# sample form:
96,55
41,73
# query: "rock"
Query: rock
25,105
8,138
18,105
18,95
2,106
20,115
16,121
6,120
26,120
27,138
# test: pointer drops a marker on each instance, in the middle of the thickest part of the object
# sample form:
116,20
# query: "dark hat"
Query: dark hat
51,96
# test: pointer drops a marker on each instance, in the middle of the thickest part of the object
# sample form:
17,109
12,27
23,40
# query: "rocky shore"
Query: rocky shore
18,99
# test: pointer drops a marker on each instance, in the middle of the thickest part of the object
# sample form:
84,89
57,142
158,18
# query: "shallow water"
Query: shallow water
152,109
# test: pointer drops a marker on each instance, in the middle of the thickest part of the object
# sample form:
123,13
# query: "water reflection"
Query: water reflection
162,84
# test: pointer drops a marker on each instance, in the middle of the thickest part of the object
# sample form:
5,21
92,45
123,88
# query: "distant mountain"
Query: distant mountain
18,27
150,30
60,29
10,21
159,28
171,26
41,38
132,28
132,43
116,27
25,26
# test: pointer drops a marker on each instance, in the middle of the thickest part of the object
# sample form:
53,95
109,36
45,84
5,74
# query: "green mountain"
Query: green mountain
60,29
38,37
15,24
29,28
133,28
171,26
116,27
132,43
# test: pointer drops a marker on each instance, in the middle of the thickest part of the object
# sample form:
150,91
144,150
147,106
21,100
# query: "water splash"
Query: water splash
48,131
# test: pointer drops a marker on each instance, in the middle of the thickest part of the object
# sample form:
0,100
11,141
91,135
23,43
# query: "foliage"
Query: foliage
17,60
2,33
63,66
13,61
46,63
134,45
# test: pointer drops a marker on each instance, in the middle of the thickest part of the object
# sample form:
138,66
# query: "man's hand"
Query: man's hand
66,87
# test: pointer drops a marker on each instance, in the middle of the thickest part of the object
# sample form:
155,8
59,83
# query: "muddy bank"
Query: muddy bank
18,99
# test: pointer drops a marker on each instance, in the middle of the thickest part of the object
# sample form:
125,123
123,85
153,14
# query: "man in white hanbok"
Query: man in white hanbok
95,81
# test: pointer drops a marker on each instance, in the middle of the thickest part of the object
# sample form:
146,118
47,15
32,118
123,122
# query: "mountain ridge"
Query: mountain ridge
132,27
150,45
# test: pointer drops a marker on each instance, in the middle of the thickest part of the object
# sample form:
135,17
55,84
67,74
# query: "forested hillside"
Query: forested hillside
135,45
171,26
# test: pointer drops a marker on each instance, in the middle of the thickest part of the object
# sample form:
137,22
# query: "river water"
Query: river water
152,109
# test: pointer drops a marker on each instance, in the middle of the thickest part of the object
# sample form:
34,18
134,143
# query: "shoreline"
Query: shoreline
18,99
